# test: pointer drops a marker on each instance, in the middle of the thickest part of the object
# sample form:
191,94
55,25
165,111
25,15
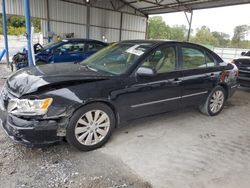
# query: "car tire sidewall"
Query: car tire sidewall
217,88
70,132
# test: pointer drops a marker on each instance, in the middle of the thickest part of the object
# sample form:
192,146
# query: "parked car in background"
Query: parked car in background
243,64
68,51
128,80
245,54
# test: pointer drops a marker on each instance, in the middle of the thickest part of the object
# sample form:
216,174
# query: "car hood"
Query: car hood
29,80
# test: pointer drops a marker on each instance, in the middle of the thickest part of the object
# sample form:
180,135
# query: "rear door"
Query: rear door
200,72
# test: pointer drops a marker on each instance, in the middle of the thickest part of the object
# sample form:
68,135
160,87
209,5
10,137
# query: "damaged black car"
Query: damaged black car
128,80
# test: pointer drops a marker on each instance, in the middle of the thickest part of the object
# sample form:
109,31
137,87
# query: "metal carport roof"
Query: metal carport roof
167,6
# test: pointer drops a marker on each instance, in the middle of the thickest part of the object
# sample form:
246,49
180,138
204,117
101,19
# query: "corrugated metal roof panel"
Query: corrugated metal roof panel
61,29
98,33
67,12
37,8
132,22
129,35
115,5
166,6
105,18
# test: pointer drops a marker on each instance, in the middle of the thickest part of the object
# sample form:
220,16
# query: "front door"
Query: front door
161,92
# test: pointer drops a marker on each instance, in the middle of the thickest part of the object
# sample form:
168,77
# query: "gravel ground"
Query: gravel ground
178,149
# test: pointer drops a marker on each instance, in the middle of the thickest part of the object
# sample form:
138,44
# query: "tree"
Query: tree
16,25
222,38
157,28
178,32
16,21
36,23
204,36
240,33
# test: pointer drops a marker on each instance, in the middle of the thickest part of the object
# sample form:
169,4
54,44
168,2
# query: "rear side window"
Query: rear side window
194,58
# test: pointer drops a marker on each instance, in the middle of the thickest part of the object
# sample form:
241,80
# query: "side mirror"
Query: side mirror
243,53
145,72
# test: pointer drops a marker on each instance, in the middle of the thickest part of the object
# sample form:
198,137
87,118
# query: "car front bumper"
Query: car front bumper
33,133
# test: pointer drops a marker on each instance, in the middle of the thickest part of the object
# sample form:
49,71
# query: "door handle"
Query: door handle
212,75
177,81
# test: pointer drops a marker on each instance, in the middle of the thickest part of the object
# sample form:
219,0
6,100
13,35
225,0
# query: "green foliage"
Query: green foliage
16,25
158,29
36,23
178,32
16,21
204,36
222,38
240,33
16,30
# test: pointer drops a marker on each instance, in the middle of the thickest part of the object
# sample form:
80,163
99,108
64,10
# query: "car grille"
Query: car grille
243,72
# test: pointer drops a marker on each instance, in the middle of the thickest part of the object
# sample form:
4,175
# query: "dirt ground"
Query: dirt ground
173,150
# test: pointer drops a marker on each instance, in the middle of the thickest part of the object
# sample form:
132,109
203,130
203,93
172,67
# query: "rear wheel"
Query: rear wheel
215,102
90,127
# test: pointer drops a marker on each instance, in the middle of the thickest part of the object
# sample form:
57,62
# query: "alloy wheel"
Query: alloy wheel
217,101
92,127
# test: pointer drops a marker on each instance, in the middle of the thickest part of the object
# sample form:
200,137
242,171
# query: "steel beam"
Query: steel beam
88,22
189,20
5,32
121,23
28,31
48,21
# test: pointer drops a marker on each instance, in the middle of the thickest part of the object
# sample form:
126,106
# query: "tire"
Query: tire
90,127
218,98
40,63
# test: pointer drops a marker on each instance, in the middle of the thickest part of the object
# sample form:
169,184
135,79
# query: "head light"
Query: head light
29,107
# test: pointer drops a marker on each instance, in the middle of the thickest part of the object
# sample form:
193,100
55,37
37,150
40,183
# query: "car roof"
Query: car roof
155,42
80,39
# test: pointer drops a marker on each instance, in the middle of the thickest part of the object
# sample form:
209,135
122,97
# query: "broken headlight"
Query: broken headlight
26,107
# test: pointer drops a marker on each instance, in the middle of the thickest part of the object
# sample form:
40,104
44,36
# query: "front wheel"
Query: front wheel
215,101
90,127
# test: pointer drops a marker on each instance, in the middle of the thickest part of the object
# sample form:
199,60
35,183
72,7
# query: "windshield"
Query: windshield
116,58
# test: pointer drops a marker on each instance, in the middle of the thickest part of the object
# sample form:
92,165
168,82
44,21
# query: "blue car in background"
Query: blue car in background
67,51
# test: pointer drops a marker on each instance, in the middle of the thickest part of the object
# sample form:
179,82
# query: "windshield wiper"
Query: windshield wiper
90,68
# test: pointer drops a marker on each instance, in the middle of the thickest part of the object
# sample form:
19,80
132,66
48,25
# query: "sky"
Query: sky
222,19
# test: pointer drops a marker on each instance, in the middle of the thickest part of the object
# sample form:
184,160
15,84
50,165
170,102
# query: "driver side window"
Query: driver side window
163,60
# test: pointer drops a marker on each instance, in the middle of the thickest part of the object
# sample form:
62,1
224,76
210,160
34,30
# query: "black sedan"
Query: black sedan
243,64
84,102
